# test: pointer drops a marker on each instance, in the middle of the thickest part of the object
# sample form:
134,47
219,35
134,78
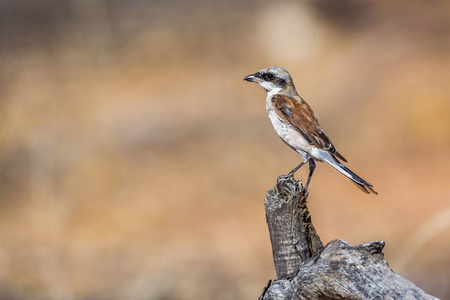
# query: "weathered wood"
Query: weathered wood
292,234
306,270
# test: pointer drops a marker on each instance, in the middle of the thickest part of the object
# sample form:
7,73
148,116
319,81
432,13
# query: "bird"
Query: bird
298,126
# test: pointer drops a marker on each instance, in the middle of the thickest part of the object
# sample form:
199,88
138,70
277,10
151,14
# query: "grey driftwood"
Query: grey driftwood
307,270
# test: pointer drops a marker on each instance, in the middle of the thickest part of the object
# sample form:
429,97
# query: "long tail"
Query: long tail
355,179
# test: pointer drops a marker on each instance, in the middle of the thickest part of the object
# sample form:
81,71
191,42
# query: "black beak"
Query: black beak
253,78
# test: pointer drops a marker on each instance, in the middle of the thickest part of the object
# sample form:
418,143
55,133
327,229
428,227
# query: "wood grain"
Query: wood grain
307,270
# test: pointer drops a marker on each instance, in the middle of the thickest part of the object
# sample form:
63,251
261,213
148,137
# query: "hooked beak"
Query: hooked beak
253,78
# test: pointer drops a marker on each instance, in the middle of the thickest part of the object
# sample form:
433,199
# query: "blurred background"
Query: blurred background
134,160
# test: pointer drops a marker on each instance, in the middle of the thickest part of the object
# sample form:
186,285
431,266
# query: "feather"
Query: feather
300,115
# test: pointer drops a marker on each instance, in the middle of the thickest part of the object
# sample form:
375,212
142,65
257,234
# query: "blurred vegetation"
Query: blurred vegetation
134,160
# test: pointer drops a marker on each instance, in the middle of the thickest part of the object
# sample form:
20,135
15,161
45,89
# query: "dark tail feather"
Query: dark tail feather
365,188
355,179
339,156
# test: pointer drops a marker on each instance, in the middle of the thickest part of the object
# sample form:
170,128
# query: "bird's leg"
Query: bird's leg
283,179
291,173
312,167
287,180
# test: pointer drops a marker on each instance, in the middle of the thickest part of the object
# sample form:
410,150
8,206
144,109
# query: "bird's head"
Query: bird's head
273,80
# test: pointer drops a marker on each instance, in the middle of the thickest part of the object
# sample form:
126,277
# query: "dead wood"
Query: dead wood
307,270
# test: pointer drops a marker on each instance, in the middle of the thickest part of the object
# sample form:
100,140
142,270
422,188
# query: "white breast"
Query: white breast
287,132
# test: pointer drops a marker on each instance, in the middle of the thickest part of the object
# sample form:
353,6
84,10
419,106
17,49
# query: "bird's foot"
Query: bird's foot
286,177
305,191
286,183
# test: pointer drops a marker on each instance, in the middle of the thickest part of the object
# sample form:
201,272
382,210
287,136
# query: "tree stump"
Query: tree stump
307,270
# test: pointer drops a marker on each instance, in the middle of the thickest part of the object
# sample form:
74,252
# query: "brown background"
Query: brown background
134,160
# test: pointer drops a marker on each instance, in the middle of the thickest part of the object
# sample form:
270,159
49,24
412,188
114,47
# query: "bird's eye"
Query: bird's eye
269,76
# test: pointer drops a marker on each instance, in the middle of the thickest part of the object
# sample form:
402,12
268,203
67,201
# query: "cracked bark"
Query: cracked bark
307,270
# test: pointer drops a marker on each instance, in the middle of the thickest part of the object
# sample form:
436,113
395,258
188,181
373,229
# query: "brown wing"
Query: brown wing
301,116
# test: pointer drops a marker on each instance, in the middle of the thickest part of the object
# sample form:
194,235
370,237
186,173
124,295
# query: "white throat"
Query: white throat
273,91
269,87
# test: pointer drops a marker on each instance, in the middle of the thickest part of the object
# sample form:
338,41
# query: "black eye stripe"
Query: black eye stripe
269,76
280,81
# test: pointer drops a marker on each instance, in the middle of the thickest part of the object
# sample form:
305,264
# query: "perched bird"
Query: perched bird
298,126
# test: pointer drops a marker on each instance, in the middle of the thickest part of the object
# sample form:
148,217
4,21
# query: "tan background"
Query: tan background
134,160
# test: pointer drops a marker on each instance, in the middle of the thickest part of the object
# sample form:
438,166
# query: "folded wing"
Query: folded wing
300,115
